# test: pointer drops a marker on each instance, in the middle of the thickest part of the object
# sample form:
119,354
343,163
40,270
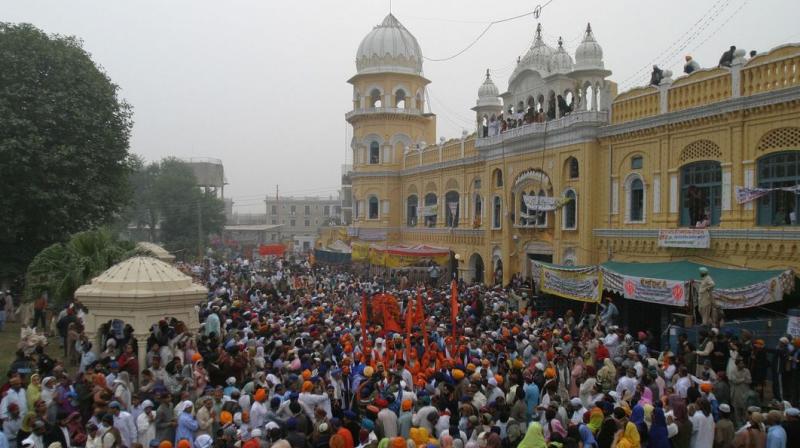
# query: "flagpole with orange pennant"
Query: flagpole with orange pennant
420,311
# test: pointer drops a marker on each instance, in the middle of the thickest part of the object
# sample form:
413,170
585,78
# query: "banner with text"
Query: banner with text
685,238
430,210
543,203
793,327
665,292
747,194
582,284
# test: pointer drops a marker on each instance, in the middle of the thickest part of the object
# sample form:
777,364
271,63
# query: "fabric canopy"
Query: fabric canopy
404,256
668,283
332,257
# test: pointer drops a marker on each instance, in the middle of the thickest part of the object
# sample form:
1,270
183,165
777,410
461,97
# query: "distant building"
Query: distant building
252,235
301,218
209,173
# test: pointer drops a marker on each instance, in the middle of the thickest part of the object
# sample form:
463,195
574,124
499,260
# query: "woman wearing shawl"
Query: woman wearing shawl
608,430
596,418
585,432
637,418
34,390
607,375
534,437
48,390
122,390
658,435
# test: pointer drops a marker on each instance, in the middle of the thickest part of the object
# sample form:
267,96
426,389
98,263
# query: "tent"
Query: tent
668,283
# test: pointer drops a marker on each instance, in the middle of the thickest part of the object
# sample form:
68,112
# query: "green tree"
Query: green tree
63,143
181,204
142,212
63,267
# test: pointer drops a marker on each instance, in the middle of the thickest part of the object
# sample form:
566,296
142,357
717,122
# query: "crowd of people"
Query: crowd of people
286,356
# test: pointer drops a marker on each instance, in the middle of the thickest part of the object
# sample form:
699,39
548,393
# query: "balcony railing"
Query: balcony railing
382,110
586,116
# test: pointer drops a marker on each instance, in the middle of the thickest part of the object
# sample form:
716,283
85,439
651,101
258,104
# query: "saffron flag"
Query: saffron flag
421,318
410,314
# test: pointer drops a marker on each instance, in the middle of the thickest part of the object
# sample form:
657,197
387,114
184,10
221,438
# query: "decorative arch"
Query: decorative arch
411,189
497,177
569,212
402,139
533,176
700,150
375,96
625,162
431,187
780,138
369,138
451,184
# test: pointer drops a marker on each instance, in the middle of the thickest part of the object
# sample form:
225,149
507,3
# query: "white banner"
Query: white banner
665,292
453,206
540,203
686,238
745,194
430,210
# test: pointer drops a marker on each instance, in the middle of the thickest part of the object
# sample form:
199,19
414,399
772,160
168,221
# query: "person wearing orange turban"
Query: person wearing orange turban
165,444
406,405
308,386
398,442
706,387
306,374
260,395
550,372
225,418
183,443
197,357
458,374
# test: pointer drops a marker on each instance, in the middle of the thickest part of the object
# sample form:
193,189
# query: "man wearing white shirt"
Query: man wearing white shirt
627,383
15,394
683,383
124,423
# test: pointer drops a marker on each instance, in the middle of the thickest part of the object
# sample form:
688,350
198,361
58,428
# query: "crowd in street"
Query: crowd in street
286,356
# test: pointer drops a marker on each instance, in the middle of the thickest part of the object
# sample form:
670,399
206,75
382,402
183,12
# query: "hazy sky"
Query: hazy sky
261,84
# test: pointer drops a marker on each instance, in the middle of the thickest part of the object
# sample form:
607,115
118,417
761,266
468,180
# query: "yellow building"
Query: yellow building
610,171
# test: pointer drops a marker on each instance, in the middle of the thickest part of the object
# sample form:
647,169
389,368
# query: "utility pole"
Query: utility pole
200,229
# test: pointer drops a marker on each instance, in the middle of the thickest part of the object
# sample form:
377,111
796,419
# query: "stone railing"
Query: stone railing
634,104
382,110
537,128
778,69
704,87
443,235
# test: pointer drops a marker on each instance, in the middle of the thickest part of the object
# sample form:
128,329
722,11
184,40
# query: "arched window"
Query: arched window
572,168
701,193
411,210
375,98
400,99
636,200
570,211
477,211
779,207
498,177
374,153
637,162
451,202
373,208
497,212
431,210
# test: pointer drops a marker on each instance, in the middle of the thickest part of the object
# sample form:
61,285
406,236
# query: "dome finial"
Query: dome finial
487,74
588,27
539,31
560,42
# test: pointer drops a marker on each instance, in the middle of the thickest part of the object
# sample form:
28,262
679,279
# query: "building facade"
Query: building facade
302,218
562,168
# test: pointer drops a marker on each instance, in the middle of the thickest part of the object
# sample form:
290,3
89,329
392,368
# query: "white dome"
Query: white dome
389,47
539,55
589,54
488,93
562,61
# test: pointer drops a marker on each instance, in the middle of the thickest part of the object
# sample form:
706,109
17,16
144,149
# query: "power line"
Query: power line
535,13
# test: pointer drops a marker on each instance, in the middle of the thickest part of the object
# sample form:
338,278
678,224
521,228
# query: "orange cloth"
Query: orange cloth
183,443
260,395
308,386
346,436
197,357
458,374
225,418
165,444
406,405
306,374
398,442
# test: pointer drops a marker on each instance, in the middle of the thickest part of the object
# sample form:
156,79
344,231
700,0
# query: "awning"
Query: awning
580,283
668,283
331,257
403,256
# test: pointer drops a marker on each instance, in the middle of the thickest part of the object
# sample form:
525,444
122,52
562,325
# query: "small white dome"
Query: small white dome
589,54
488,93
389,47
562,61
538,56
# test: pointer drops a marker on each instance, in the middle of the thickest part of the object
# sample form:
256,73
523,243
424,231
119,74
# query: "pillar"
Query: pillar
141,355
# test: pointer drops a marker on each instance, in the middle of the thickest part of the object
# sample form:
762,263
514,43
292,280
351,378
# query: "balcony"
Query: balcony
382,110
586,116
443,235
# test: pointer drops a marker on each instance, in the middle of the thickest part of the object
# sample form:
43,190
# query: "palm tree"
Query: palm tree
63,267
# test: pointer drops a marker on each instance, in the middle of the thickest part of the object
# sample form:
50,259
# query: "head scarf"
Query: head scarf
534,437
203,441
595,419
658,431
630,437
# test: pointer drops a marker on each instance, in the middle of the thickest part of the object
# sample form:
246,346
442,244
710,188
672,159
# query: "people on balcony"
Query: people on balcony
726,60
656,76
691,65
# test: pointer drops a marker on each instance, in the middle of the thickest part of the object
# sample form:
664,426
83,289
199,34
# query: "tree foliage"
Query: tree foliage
63,143
63,267
167,194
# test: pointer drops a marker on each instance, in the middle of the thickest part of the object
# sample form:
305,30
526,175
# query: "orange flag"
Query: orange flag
409,315
421,318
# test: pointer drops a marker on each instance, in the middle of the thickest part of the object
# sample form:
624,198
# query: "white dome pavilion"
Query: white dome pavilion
562,61
389,47
589,54
488,93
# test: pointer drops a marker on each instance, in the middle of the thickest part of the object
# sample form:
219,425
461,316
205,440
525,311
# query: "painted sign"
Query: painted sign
685,238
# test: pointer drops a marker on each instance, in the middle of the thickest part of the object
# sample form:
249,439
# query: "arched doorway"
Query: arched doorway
476,268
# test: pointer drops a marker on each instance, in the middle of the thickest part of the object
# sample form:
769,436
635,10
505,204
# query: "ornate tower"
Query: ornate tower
488,108
388,121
